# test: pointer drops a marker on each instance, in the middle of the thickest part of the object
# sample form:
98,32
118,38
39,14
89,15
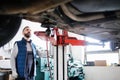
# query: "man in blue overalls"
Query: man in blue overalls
23,57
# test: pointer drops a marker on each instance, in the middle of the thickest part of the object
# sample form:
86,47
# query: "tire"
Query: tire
9,25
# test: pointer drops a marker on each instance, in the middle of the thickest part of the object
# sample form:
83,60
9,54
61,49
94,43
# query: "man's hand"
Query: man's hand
14,75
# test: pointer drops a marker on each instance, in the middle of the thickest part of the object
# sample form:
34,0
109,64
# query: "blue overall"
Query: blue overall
21,58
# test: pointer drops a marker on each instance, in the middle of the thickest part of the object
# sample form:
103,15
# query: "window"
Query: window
95,52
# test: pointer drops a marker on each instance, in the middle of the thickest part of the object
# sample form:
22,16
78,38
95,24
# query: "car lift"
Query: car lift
60,39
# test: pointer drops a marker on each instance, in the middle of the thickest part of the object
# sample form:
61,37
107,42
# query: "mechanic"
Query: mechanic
23,57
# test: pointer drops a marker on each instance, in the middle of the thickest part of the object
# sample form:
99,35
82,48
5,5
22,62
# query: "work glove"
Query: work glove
14,75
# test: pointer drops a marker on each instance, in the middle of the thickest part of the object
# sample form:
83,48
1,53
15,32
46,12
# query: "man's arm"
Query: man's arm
13,60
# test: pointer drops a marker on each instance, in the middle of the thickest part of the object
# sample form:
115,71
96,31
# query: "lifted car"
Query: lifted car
99,19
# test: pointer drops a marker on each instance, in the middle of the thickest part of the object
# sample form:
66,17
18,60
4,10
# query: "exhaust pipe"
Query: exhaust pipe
81,19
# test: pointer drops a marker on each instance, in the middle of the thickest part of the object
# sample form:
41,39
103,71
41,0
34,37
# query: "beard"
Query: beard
27,35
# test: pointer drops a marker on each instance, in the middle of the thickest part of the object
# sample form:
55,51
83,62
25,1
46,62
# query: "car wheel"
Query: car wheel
9,25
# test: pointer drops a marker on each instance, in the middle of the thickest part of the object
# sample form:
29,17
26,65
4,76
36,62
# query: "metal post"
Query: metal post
85,52
119,55
60,63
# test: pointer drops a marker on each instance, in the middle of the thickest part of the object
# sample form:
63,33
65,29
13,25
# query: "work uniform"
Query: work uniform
23,60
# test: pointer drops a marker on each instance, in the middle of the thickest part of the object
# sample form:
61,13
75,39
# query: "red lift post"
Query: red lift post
60,41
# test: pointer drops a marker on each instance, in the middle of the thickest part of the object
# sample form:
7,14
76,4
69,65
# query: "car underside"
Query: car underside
98,19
